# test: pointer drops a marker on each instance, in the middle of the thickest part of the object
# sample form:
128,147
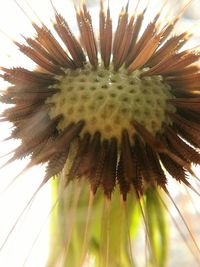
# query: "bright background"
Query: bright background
13,24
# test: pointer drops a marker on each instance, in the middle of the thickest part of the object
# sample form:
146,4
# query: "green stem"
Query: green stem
86,227
157,228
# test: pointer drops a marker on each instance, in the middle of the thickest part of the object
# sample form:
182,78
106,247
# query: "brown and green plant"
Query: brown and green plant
113,114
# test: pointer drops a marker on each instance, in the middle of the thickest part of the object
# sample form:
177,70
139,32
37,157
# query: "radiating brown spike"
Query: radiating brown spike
108,43
190,85
189,116
168,28
16,114
173,63
192,104
192,137
15,89
186,151
184,78
23,77
159,174
87,35
105,35
102,19
60,144
146,36
185,93
32,124
124,185
45,37
33,148
171,152
124,45
161,147
27,149
122,21
174,169
89,160
56,164
187,124
182,72
63,30
144,55
43,154
31,98
184,62
41,50
137,179
109,168
148,137
40,60
140,47
96,173
126,155
46,129
67,135
34,138
143,161
170,47
5,99
40,148
82,149
119,35
136,30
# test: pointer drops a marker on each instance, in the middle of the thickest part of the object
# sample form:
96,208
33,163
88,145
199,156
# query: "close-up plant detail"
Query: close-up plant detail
114,114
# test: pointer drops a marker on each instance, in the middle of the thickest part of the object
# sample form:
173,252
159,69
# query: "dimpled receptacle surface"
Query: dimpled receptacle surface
110,101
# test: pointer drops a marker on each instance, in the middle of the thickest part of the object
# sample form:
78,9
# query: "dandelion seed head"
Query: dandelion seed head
110,101
125,98
111,111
